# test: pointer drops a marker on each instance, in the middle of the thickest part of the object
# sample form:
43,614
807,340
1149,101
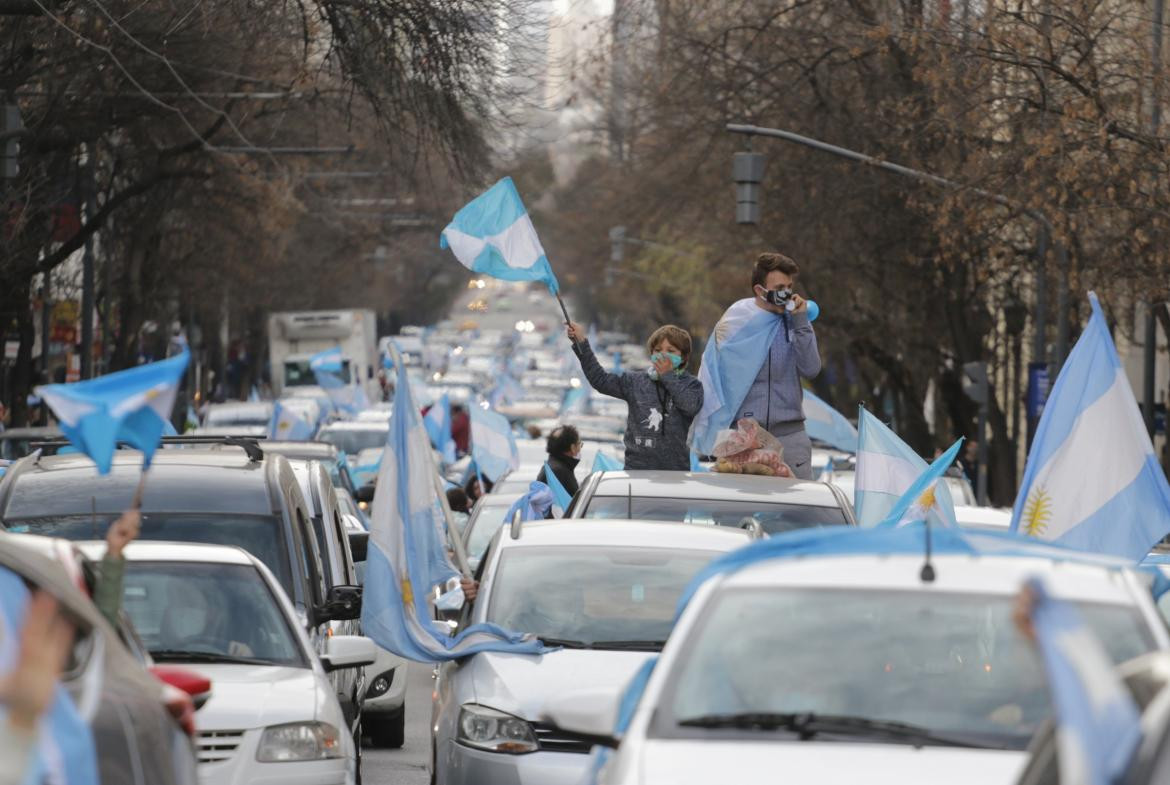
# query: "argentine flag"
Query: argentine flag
131,406
287,424
437,421
1092,481
493,235
1098,727
407,559
493,446
534,504
604,463
886,469
327,367
827,425
561,497
733,358
65,751
921,499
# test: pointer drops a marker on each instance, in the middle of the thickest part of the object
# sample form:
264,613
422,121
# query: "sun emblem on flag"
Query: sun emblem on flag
1037,512
926,500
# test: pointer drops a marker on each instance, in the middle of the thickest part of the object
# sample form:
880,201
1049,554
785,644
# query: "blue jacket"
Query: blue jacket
776,395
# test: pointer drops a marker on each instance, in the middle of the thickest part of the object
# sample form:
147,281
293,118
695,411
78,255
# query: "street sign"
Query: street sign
1037,390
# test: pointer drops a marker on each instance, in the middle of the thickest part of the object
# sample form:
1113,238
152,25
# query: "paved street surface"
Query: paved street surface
407,766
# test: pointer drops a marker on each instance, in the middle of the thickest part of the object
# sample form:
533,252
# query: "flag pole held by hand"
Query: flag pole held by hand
136,502
564,310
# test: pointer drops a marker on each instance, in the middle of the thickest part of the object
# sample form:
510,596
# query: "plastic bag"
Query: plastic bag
750,449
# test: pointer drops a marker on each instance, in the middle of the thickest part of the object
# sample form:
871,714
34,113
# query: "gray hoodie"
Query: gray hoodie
776,395
660,411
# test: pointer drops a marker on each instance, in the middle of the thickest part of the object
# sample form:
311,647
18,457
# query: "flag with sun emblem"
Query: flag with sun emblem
1092,480
920,499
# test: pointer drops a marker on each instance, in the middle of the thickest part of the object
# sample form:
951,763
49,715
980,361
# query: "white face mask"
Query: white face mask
188,621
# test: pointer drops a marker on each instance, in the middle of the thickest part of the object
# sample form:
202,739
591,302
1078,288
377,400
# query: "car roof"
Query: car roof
317,451
652,534
147,550
241,405
355,425
178,481
713,485
988,574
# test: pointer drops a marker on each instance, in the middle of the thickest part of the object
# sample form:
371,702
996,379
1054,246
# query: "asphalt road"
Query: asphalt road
409,765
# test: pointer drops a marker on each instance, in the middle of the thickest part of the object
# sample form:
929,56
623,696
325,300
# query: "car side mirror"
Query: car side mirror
348,651
342,603
586,715
359,543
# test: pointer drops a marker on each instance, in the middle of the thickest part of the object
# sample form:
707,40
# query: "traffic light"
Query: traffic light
9,146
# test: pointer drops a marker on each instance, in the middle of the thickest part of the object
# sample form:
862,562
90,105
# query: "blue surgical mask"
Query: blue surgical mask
675,362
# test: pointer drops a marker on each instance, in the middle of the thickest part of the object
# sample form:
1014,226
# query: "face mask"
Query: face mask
188,621
675,362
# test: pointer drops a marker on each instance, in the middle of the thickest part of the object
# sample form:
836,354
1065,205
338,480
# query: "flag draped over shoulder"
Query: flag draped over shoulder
886,469
131,406
493,235
493,447
1097,723
407,558
1092,480
827,425
65,747
733,358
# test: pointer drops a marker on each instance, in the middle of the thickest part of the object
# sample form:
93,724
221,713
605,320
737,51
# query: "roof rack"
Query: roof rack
246,443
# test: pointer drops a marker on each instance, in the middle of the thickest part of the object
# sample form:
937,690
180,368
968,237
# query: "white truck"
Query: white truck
295,336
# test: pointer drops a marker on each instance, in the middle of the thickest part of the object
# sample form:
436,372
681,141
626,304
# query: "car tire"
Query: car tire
388,731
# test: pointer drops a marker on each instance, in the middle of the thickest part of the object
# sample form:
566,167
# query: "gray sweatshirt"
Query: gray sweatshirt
776,395
660,411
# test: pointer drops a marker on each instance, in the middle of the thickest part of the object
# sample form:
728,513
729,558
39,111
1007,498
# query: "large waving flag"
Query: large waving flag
327,367
493,235
407,559
288,424
733,358
886,469
1097,723
437,421
605,463
65,751
534,504
576,401
493,446
827,425
922,499
1092,481
131,406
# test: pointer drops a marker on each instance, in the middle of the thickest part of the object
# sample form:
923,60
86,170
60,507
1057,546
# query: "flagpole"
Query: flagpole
452,532
564,310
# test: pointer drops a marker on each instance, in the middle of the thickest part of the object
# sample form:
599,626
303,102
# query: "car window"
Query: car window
180,609
353,441
311,561
951,663
773,518
487,522
298,373
593,595
260,535
343,550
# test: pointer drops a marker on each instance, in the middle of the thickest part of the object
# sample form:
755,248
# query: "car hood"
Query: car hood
256,696
681,762
520,684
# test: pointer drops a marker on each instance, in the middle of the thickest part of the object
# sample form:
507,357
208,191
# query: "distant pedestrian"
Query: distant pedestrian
564,451
475,489
460,428
457,500
663,399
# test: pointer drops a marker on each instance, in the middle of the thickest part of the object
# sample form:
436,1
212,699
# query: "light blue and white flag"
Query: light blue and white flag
406,558
733,358
827,425
493,235
65,752
561,497
576,401
507,390
254,395
922,499
437,421
533,505
328,368
696,465
328,361
287,424
605,463
131,406
886,469
493,445
1092,480
1098,727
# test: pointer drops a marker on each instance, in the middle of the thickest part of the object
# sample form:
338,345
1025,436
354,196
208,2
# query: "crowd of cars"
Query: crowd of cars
827,652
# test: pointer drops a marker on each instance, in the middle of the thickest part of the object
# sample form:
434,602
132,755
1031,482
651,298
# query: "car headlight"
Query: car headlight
488,729
299,741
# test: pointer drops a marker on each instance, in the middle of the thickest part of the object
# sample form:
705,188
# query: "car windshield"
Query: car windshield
950,663
260,535
593,596
206,612
252,415
297,373
351,441
773,518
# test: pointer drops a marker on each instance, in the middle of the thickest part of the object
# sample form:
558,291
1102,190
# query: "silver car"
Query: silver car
603,591
776,504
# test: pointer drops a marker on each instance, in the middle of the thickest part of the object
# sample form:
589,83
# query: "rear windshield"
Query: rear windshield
260,535
773,518
353,441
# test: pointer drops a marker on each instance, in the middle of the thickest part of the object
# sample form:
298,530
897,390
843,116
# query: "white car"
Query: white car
353,436
238,415
604,591
839,667
273,716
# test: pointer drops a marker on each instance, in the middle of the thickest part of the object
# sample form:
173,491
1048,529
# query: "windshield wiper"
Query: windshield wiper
565,643
807,725
178,655
633,645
